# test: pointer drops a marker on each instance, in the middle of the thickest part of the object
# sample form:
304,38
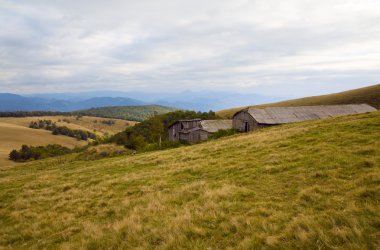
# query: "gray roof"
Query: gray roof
280,115
184,120
213,126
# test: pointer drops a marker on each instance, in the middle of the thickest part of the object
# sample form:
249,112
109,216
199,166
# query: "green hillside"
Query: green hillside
310,185
132,113
369,95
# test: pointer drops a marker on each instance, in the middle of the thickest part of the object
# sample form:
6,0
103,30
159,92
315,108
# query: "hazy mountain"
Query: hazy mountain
12,102
214,100
191,100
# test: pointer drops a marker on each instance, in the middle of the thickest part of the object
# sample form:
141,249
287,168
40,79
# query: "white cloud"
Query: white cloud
178,45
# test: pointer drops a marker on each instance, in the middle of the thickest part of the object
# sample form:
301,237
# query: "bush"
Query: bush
42,124
222,133
101,151
108,122
39,152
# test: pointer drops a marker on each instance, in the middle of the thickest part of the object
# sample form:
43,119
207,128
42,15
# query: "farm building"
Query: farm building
196,130
254,118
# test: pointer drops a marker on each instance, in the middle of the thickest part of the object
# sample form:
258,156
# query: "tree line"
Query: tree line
62,130
40,152
131,113
32,113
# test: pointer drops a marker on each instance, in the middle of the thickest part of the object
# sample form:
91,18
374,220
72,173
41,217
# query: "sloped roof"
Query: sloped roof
280,115
213,126
184,120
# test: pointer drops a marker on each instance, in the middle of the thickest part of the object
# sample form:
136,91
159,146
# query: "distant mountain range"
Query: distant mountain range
12,102
190,100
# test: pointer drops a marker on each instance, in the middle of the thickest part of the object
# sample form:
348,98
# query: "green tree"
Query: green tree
14,155
157,129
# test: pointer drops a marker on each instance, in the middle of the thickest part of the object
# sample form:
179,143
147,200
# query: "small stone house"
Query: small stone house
253,118
196,130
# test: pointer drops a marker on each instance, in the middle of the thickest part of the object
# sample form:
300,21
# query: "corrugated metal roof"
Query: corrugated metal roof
280,115
213,126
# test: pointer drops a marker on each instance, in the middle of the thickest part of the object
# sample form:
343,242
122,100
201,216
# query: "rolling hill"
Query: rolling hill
15,131
309,185
132,113
369,95
88,123
12,136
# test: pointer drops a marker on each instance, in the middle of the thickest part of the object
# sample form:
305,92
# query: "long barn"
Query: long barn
254,118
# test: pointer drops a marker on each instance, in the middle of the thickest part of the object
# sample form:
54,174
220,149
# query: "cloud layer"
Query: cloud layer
293,47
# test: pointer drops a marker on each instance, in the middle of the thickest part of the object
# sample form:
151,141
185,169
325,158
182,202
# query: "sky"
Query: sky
272,47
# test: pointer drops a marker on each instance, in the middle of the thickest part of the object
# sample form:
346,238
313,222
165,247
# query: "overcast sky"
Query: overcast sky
292,47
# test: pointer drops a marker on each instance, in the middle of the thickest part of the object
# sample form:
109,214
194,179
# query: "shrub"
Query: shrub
101,151
108,122
222,133
39,152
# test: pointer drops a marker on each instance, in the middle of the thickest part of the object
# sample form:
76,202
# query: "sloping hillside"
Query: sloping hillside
369,95
12,136
311,185
88,123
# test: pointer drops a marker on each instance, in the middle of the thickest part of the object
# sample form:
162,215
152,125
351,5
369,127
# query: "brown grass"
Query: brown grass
15,131
12,136
83,123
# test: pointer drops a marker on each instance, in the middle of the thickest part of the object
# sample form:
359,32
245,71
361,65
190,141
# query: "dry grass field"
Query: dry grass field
15,131
369,95
84,123
310,185
12,136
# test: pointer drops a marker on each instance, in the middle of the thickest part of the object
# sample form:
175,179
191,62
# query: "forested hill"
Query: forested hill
131,113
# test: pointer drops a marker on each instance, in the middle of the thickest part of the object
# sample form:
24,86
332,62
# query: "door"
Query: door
246,126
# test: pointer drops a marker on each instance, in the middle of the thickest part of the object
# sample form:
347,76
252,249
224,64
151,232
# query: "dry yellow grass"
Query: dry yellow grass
15,131
83,123
12,136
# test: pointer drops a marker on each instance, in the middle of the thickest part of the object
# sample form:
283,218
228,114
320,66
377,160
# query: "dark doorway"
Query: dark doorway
246,126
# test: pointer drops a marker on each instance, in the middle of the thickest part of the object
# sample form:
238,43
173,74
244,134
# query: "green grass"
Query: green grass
311,185
369,95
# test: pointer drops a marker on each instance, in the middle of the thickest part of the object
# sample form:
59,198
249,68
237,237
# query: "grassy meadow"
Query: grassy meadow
369,95
310,185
